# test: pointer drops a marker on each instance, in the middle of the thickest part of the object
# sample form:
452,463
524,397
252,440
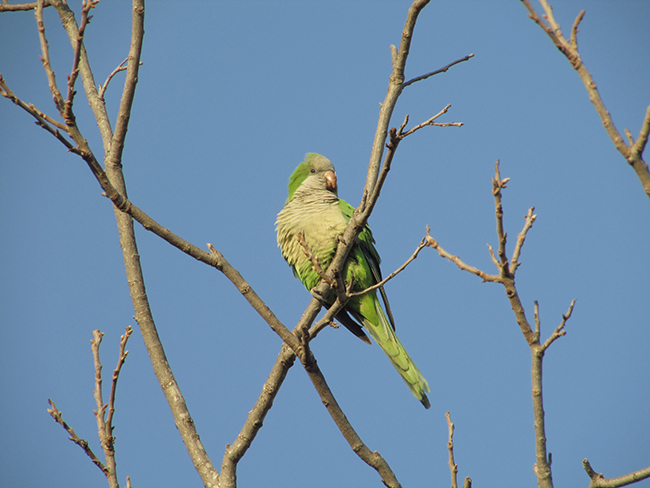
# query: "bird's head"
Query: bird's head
317,172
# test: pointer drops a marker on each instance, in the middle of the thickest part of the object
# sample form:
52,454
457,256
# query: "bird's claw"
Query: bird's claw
318,296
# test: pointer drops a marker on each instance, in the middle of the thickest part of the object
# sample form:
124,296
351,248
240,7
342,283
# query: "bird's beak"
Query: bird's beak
330,178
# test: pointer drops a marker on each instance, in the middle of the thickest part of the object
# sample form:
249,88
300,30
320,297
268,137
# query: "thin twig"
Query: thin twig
430,121
559,330
104,429
102,88
632,153
116,374
453,467
498,185
300,237
45,58
74,73
599,481
22,7
421,246
438,71
431,242
530,220
42,120
260,307
58,417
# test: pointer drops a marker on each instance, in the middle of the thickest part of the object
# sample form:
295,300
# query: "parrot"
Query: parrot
314,208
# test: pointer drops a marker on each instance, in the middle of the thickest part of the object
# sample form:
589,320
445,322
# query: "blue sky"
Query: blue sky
231,96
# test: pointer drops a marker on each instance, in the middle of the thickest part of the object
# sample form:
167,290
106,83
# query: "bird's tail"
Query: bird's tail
384,335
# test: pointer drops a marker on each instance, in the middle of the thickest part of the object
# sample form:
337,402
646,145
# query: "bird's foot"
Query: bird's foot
318,296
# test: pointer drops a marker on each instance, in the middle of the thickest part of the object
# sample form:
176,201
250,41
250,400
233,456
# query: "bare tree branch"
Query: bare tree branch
431,242
300,237
438,71
395,87
559,330
542,467
260,307
507,269
120,67
430,121
422,245
632,153
45,59
116,374
23,7
42,119
599,481
104,423
112,182
58,417
453,467
104,430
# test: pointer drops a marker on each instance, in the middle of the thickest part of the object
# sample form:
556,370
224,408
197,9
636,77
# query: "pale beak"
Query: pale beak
330,178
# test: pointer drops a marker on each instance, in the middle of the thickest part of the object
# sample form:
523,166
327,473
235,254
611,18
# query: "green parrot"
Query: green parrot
313,207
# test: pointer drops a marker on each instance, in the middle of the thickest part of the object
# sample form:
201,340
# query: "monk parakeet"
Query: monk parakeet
313,207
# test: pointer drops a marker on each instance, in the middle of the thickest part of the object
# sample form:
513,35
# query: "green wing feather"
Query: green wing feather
366,242
363,269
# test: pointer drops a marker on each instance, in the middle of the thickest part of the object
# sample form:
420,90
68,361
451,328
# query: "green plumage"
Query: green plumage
314,208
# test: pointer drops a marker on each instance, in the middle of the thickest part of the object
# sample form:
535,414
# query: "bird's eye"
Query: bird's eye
312,170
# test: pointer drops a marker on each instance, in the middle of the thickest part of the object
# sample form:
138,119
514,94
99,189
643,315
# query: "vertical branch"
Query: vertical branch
96,103
45,57
450,447
497,185
507,269
116,375
113,146
103,429
395,87
542,466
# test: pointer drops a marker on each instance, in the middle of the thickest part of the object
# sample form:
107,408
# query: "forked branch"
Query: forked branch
104,422
599,481
632,152
507,268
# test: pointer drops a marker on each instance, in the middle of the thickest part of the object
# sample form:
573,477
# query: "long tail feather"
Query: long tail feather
384,335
